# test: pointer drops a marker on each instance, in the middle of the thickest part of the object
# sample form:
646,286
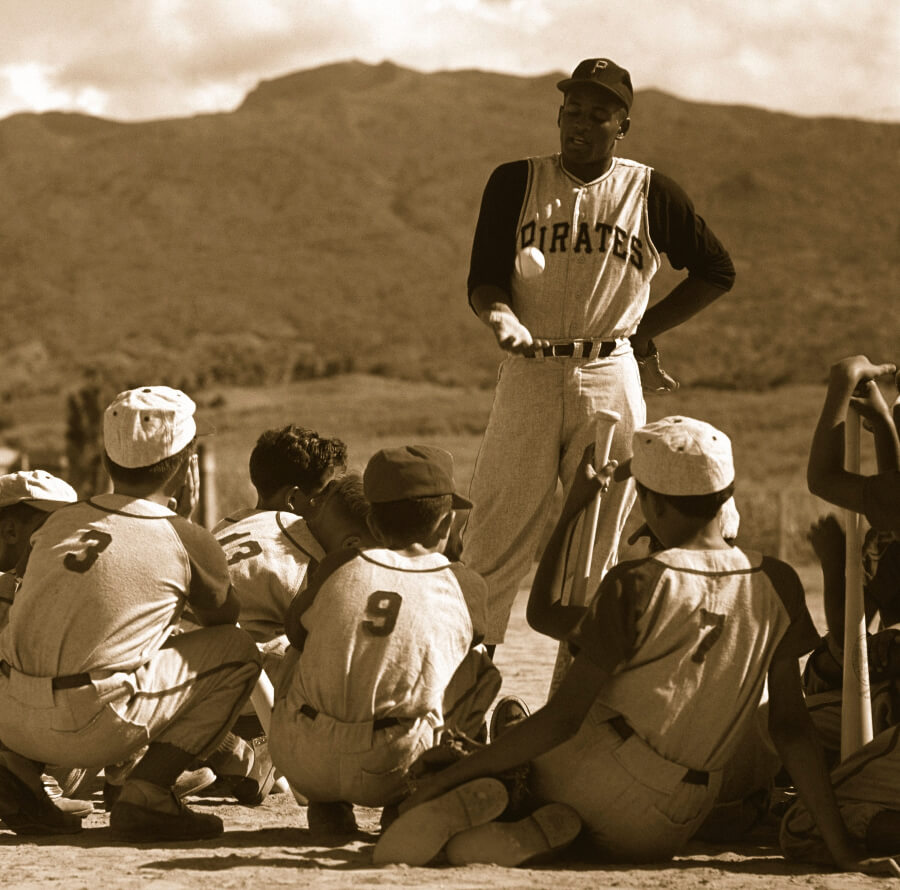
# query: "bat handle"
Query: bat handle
604,430
856,707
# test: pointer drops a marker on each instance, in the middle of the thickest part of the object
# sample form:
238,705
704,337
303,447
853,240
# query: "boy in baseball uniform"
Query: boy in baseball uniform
382,647
669,665
90,672
270,547
27,498
270,550
867,783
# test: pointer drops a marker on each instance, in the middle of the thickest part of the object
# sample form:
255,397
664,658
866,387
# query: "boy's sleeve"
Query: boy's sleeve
293,622
881,501
608,633
209,582
801,636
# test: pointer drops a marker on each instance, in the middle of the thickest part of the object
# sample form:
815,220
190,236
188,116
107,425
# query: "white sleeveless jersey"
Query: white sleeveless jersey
385,633
269,555
599,258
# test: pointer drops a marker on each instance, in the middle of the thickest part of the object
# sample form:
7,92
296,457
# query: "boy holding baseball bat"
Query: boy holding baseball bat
867,782
670,662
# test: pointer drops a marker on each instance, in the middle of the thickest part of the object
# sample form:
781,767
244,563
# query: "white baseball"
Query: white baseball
529,262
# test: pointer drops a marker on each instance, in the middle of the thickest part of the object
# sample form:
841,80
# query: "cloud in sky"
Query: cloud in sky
134,59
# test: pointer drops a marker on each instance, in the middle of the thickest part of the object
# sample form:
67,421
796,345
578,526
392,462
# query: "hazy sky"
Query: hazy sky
134,59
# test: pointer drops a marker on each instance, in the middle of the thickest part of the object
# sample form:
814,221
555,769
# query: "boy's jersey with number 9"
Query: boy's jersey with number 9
384,634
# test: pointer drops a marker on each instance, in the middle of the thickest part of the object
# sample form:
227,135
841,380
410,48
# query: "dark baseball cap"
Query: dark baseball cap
411,471
603,73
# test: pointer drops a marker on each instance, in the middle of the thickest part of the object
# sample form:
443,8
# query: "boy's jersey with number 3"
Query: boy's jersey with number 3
106,582
384,633
269,554
688,637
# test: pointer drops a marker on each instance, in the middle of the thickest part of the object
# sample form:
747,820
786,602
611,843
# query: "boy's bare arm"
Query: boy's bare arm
801,753
878,418
545,613
825,472
547,728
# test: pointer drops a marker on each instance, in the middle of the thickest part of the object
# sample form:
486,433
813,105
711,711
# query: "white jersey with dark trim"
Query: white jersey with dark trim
270,553
106,584
599,259
384,635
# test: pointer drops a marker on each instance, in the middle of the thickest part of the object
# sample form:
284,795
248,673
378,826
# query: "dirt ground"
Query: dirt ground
270,846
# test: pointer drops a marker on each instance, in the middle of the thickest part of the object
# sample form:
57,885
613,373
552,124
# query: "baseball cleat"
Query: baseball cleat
418,835
27,811
507,712
547,830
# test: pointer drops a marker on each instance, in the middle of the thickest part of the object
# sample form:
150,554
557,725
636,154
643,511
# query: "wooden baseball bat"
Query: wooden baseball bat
604,429
856,701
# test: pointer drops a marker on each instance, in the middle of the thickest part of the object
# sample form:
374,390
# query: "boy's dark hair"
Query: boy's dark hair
348,489
22,512
154,474
293,455
697,506
411,520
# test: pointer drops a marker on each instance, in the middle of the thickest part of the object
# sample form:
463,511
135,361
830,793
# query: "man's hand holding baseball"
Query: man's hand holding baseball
512,336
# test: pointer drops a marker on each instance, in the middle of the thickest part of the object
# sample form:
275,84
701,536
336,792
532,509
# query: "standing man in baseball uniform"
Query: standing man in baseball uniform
564,251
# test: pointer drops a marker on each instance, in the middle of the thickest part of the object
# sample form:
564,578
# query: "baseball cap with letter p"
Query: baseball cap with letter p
143,426
602,73
411,471
679,456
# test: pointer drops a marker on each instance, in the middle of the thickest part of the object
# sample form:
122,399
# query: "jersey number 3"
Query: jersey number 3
94,543
382,608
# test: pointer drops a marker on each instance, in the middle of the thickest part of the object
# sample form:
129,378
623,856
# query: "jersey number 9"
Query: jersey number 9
382,608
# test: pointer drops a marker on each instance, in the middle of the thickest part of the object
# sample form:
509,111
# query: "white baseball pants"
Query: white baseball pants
540,423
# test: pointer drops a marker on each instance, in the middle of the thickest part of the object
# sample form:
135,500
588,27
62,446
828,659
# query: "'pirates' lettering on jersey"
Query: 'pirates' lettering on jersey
599,258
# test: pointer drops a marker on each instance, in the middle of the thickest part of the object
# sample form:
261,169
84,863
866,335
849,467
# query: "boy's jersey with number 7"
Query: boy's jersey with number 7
106,583
270,553
383,633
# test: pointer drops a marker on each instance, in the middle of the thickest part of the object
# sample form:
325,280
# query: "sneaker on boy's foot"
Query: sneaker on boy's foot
507,712
419,834
29,811
331,817
189,782
146,812
547,830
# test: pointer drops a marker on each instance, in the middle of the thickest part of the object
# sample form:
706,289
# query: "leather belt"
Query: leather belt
72,681
377,723
575,349
624,731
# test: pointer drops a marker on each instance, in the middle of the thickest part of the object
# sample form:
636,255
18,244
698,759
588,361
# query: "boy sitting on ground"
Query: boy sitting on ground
382,648
670,662
90,672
